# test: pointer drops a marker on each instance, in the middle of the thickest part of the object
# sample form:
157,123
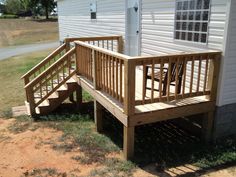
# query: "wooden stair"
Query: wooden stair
60,95
51,82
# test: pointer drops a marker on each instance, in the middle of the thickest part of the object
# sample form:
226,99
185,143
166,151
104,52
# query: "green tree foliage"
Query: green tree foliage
37,7
13,6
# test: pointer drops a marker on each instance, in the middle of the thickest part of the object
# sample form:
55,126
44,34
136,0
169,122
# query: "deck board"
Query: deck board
138,96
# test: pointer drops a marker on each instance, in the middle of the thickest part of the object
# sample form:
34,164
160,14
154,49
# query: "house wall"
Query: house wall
157,37
226,114
74,18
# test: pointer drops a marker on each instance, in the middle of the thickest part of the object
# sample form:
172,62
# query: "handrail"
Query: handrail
50,80
43,62
43,74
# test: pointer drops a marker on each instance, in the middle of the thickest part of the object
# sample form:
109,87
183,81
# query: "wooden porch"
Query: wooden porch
117,82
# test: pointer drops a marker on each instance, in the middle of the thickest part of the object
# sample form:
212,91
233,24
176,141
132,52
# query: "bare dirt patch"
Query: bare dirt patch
32,150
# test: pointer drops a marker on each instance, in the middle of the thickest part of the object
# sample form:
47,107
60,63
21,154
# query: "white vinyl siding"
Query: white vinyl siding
158,19
75,18
228,83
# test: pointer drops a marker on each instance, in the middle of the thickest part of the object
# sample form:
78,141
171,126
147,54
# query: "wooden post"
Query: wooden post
207,126
128,142
30,96
26,80
214,76
129,99
120,44
79,97
98,116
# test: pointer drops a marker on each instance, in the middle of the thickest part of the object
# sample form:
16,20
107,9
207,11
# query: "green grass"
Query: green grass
12,87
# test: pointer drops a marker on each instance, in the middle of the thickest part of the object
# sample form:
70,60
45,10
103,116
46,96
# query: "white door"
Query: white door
133,27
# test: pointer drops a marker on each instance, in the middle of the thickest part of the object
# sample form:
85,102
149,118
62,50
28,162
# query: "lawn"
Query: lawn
65,143
23,31
11,70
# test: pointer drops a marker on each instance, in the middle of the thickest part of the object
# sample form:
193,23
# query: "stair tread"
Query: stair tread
53,96
45,103
62,88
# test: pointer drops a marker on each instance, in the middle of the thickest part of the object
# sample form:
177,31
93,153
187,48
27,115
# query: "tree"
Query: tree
48,6
13,7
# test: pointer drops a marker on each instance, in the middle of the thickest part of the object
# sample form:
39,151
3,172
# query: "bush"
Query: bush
8,16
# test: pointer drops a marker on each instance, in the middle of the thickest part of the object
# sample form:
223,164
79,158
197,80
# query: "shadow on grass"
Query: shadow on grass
164,145
45,20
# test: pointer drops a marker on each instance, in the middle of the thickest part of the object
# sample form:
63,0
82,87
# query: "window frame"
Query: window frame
192,42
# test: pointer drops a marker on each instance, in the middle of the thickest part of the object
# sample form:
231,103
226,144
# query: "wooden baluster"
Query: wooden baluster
184,75
160,81
113,77
110,89
206,75
144,84
117,96
100,67
176,78
192,74
104,70
41,92
169,78
120,95
152,87
107,44
107,74
199,74
112,45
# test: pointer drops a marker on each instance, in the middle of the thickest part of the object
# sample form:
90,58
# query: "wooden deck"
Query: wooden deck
117,83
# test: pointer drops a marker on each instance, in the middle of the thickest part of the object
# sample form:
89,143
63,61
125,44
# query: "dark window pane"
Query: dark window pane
191,15
93,15
179,6
177,35
199,4
205,16
204,27
190,26
198,16
178,16
178,25
183,35
185,7
206,4
184,26
197,26
196,37
203,38
190,35
192,5
184,16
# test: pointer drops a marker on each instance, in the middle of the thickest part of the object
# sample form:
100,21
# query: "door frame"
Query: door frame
139,26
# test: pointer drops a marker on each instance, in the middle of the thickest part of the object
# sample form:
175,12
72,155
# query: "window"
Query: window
191,20
93,10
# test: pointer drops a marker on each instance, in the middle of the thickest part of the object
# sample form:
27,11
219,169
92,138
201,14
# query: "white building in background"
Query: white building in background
152,27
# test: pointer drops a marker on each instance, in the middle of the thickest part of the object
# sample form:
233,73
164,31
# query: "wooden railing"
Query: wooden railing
44,64
114,43
199,75
39,89
103,67
51,73
115,74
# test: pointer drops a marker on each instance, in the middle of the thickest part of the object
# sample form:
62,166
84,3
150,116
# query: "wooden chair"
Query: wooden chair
164,79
